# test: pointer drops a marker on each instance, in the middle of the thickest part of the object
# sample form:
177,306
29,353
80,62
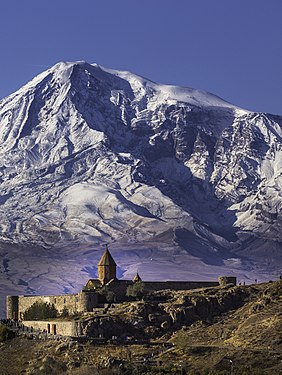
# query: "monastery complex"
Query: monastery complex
89,297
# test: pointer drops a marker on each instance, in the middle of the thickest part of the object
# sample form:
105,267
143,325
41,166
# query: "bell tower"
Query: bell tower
106,267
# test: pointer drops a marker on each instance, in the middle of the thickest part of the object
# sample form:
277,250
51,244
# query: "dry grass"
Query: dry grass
250,336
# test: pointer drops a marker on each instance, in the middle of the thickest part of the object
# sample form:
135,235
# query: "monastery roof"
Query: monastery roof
107,259
137,278
94,281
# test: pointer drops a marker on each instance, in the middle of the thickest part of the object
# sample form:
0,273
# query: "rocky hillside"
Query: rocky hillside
166,174
213,328
165,312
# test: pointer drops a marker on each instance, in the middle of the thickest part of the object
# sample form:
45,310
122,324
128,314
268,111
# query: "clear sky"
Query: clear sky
232,48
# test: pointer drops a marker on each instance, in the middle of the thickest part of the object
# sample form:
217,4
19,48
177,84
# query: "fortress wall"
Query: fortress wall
68,301
12,307
85,301
80,302
225,280
119,287
64,328
178,285
88,300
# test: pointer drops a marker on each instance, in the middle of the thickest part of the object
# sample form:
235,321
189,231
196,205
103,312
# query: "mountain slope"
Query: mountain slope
91,155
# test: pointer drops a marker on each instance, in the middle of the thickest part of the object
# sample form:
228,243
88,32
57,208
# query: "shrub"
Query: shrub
40,310
137,290
5,333
65,312
107,293
110,296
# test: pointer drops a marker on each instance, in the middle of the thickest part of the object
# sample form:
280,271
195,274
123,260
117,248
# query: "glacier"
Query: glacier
180,183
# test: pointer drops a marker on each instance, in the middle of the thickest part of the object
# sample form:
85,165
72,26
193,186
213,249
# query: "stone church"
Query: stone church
90,296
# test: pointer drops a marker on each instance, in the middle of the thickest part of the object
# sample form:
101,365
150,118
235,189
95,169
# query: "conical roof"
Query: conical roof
107,259
137,278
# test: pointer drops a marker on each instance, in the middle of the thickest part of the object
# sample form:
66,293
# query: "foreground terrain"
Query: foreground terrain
231,330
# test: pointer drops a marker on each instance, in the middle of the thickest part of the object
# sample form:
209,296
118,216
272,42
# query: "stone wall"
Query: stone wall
88,301
85,301
68,301
12,307
80,302
178,285
64,328
225,280
119,287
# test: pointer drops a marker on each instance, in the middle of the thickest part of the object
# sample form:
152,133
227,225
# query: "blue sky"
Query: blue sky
230,48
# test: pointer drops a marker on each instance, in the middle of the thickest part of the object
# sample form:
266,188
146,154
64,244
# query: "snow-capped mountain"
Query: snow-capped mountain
164,174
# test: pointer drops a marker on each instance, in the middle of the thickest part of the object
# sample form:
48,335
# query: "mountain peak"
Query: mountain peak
195,97
91,155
